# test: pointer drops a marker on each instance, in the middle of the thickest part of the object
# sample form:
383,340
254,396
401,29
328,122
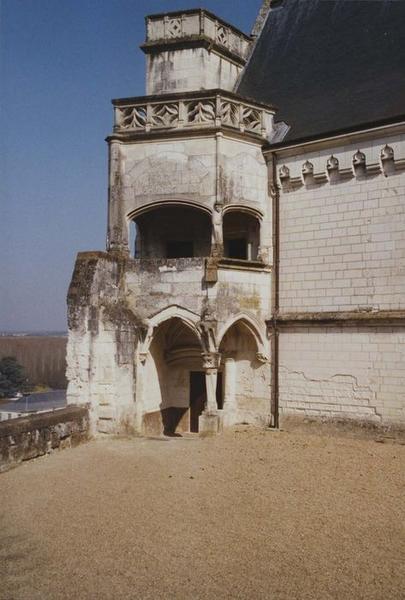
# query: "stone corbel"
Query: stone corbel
145,332
387,160
263,254
208,330
211,360
359,164
307,173
332,169
262,358
284,177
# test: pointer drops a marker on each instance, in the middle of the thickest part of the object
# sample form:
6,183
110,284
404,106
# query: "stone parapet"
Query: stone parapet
30,437
193,25
192,110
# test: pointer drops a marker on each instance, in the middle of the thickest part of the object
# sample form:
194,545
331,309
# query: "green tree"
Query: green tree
12,377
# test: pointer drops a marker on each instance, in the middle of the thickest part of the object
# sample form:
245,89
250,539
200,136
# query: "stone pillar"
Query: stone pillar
139,387
117,235
229,384
211,364
208,423
217,240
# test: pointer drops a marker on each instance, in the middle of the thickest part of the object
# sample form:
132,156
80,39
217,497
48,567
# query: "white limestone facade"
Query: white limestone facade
243,281
341,277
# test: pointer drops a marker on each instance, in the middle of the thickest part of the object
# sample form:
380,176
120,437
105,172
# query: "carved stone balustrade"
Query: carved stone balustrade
177,27
194,110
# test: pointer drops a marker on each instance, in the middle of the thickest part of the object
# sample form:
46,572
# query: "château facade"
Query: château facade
255,258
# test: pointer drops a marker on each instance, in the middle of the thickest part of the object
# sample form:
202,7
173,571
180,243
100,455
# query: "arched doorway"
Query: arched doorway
174,389
246,376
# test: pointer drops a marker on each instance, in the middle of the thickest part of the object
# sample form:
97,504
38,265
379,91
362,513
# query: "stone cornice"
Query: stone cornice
198,41
197,94
193,11
340,318
337,139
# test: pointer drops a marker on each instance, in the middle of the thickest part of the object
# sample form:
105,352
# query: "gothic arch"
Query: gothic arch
254,212
133,214
251,325
187,317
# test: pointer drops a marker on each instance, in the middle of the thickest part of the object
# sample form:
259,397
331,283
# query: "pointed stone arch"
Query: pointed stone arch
187,317
251,324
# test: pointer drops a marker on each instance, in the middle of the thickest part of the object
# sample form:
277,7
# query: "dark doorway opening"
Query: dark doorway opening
198,397
220,397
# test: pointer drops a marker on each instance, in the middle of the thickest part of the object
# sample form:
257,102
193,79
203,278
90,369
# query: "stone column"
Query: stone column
117,235
229,384
139,391
217,240
209,420
211,363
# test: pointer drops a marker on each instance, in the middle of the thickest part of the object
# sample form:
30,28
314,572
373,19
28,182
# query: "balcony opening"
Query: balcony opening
179,249
172,232
241,236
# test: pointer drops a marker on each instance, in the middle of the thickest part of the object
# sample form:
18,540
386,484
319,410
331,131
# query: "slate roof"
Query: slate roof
330,65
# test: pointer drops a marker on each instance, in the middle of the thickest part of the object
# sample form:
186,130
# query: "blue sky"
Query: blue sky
61,63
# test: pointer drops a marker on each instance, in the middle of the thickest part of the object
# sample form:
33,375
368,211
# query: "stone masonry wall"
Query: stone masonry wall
29,437
343,373
342,245
342,248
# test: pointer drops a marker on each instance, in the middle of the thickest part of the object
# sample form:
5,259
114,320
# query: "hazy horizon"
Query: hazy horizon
61,64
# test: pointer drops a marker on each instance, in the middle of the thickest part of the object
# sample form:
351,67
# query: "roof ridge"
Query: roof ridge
261,18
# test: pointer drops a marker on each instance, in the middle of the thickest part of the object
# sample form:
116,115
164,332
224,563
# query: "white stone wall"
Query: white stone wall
244,182
186,169
342,245
164,283
189,70
97,377
157,171
343,373
242,291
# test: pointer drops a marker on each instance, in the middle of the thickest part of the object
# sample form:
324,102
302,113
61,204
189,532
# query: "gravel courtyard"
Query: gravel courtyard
250,514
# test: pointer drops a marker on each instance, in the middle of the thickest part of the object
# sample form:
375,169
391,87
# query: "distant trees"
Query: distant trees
12,377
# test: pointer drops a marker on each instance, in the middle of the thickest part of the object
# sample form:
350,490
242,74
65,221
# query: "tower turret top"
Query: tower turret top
195,28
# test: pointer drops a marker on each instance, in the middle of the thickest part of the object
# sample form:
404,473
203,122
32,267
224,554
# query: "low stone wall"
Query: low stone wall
29,437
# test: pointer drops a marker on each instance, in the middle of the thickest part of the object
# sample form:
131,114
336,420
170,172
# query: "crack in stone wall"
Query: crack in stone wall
340,395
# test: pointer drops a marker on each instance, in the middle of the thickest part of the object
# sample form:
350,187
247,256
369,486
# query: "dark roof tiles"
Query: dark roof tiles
330,65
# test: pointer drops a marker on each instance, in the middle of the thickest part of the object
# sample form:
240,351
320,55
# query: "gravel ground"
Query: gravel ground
250,515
